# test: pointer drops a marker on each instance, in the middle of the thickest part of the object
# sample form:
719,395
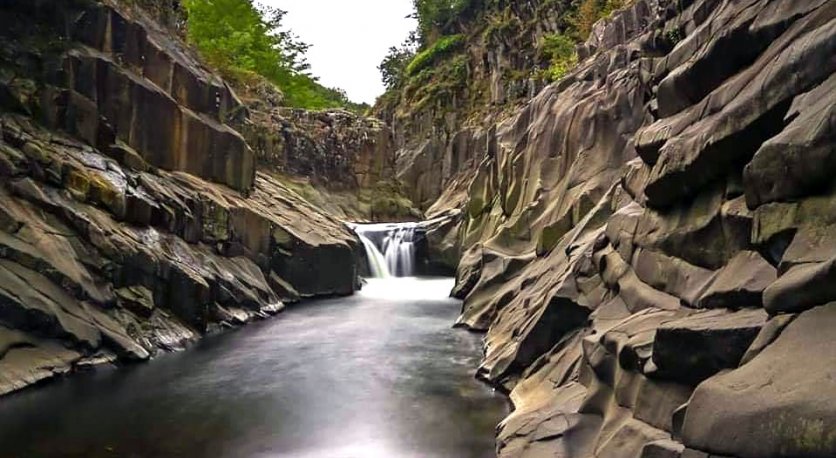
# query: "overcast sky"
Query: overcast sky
349,38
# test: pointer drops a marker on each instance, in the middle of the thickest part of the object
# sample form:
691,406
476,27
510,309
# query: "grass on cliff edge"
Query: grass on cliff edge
430,55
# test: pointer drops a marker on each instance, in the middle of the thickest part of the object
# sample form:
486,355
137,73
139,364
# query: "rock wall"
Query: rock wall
341,162
440,116
132,217
649,243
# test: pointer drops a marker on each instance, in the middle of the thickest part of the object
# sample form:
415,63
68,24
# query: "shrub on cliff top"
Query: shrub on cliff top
560,50
590,11
436,16
427,57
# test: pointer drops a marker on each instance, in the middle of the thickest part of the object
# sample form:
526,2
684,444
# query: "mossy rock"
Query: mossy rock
391,207
551,235
128,157
475,206
282,238
106,194
36,153
78,184
12,161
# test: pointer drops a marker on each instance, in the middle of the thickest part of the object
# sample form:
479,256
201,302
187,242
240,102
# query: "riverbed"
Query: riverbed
378,374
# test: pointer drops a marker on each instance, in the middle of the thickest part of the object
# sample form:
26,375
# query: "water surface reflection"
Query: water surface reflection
380,374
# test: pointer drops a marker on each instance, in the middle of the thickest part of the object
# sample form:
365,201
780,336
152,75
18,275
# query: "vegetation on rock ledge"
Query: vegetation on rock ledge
430,71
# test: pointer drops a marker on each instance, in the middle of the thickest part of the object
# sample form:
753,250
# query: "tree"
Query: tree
393,66
243,42
436,16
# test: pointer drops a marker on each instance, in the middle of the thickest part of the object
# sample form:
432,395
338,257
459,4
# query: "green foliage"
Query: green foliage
673,36
393,67
242,41
427,57
610,6
559,49
557,46
500,25
436,16
443,82
589,12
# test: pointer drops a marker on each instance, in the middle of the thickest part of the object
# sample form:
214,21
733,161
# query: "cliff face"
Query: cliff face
649,242
342,163
133,217
441,115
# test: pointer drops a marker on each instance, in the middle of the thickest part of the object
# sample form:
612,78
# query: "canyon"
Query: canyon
647,243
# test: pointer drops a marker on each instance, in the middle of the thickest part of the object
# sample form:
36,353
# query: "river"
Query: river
378,374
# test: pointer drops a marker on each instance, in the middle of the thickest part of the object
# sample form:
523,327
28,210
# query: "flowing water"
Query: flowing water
393,243
377,262
378,374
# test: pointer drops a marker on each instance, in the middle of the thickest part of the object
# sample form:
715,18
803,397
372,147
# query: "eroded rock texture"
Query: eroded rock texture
132,217
649,244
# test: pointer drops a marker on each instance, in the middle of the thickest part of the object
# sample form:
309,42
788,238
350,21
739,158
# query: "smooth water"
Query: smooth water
379,374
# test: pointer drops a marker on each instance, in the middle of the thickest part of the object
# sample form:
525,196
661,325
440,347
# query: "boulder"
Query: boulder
740,283
694,348
802,287
779,404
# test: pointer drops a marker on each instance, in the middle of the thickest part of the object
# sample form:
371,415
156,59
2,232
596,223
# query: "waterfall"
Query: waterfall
377,263
390,248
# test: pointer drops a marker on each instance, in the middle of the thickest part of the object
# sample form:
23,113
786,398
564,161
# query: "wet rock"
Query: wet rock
442,243
32,302
137,299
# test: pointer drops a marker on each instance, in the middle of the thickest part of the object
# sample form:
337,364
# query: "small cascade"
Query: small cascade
390,248
399,250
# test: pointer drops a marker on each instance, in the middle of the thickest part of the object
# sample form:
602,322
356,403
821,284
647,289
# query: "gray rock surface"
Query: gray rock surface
781,403
641,239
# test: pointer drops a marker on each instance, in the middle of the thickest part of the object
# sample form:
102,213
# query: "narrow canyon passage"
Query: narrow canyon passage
379,374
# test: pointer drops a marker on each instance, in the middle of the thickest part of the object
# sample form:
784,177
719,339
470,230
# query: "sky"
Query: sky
349,38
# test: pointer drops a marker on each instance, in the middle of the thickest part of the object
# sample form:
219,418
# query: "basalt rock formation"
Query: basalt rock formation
340,162
649,242
134,215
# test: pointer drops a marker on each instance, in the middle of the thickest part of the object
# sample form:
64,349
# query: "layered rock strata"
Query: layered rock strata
341,162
